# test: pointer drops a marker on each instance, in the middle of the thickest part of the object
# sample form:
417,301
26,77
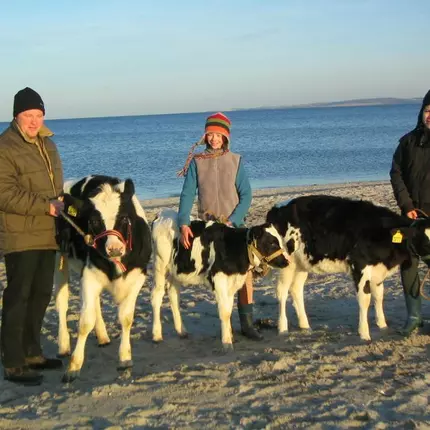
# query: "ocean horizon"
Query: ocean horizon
279,147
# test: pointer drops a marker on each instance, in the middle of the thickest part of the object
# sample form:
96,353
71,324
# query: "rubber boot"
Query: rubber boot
411,290
414,319
247,322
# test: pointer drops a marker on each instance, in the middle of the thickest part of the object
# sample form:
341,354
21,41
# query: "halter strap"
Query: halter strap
91,241
264,261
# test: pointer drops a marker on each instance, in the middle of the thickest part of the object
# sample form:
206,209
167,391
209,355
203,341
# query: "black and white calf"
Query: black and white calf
324,234
115,257
219,258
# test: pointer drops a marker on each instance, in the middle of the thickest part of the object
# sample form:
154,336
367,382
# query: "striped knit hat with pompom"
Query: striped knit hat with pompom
216,123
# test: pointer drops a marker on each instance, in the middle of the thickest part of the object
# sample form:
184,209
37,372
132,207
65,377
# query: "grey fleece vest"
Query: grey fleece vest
216,179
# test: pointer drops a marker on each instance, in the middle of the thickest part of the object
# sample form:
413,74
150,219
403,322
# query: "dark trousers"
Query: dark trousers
410,277
30,278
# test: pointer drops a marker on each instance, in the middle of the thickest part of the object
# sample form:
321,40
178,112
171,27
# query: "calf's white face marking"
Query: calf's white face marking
107,202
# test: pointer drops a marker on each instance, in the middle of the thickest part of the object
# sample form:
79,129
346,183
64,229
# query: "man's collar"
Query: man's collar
43,132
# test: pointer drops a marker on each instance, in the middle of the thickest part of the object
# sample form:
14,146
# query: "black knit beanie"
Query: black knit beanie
27,99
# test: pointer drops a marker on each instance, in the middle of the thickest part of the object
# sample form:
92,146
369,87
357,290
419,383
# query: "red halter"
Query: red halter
127,243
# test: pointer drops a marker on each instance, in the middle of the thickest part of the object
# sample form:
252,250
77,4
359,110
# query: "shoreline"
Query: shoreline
276,191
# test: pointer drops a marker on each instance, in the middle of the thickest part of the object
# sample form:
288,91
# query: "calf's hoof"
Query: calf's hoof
64,354
227,348
70,376
104,344
183,335
305,329
124,365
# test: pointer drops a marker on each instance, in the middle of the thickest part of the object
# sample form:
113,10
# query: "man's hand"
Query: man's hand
412,214
55,207
186,235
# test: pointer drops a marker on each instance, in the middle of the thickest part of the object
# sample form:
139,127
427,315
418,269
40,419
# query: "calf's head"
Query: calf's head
418,238
265,246
109,212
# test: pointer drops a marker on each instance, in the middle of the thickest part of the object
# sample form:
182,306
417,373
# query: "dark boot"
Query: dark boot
411,290
414,320
40,362
247,322
22,375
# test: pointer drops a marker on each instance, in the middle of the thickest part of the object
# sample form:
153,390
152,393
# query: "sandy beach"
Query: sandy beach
323,379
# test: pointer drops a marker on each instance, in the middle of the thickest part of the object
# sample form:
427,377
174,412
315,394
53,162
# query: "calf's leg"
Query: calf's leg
296,291
225,299
284,282
90,294
378,295
61,281
176,312
363,296
101,332
157,295
126,316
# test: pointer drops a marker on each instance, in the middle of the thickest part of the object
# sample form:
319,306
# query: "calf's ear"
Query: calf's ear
256,233
129,188
401,233
271,216
73,206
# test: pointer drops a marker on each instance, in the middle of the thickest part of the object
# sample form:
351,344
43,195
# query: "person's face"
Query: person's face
30,121
214,140
426,116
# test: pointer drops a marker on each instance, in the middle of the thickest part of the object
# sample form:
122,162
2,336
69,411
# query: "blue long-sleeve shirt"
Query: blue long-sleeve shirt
189,189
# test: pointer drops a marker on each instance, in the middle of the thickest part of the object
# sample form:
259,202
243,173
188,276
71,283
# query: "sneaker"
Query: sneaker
40,362
22,375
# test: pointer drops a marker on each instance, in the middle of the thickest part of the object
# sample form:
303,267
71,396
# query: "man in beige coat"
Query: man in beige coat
31,179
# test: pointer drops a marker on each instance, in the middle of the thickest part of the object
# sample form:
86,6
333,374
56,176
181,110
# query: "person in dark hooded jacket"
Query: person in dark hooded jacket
410,179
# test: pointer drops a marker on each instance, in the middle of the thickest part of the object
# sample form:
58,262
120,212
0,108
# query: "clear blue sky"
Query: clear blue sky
111,57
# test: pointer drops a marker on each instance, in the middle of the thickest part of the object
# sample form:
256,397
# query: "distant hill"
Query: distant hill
365,102
345,103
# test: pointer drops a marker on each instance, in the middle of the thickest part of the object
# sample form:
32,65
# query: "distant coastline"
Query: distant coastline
343,103
382,101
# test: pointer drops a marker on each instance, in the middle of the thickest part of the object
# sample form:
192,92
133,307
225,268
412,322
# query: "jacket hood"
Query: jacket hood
426,101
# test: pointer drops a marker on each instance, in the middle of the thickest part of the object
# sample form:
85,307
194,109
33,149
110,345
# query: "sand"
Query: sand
322,379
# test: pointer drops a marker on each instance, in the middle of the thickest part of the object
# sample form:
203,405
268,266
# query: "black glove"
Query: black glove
64,233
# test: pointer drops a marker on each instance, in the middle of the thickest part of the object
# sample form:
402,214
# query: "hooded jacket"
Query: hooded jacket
31,174
410,170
